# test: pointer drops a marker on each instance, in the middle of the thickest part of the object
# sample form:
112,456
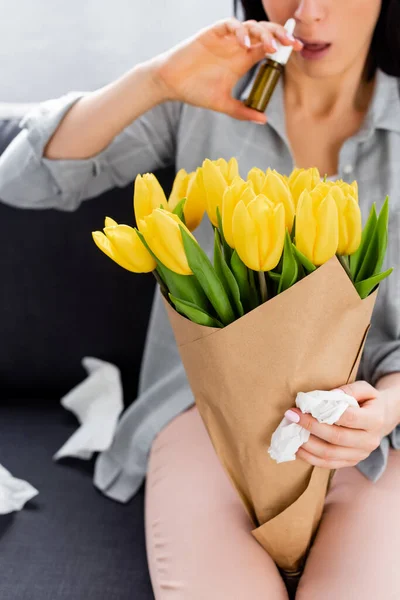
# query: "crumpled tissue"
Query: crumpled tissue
325,406
97,403
14,493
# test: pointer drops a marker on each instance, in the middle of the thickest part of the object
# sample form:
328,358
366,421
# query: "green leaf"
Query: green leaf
240,272
290,269
227,249
254,295
194,313
366,236
309,267
185,287
344,261
225,274
178,210
364,288
274,276
205,274
375,254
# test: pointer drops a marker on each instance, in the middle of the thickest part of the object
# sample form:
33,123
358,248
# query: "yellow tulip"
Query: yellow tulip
189,186
259,233
229,169
217,176
303,179
348,188
293,175
257,177
278,192
283,178
148,195
317,227
122,244
239,190
350,222
161,230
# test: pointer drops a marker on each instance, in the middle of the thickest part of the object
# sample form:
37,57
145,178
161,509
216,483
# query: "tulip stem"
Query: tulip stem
263,286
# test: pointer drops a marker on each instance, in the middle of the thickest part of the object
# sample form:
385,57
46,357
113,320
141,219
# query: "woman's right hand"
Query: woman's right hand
204,69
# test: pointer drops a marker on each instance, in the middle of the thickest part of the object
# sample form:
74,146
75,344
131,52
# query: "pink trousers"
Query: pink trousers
198,538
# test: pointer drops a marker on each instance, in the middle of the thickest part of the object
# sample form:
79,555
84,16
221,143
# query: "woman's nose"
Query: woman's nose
309,11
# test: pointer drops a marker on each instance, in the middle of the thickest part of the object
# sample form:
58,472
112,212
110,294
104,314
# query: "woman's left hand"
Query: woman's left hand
357,433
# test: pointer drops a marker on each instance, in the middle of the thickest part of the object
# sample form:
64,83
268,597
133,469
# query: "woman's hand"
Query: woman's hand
203,70
357,433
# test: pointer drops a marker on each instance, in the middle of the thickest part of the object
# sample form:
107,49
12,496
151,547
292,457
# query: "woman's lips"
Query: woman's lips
314,50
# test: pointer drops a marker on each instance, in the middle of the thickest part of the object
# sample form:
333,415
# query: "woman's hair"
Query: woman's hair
385,46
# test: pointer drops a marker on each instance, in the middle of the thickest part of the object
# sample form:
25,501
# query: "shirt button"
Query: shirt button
348,169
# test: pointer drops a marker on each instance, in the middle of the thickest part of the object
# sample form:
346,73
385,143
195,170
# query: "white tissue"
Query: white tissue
14,493
97,402
326,407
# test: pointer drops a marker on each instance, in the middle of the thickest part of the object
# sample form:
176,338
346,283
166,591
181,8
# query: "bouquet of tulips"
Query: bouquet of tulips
283,305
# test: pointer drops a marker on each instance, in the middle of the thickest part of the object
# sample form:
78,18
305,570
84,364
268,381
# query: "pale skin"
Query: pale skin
325,103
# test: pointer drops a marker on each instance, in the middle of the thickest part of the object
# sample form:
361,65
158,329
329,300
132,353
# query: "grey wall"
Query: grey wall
48,47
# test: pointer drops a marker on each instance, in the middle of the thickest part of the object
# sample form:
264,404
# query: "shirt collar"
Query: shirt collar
383,113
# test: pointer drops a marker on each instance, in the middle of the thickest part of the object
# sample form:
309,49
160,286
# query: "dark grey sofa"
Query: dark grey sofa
70,542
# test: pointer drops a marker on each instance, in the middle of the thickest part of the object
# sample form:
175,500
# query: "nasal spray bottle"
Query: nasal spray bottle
269,73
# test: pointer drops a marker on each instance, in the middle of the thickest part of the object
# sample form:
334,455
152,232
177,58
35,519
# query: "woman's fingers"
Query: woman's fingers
259,34
328,452
317,461
253,34
238,110
269,34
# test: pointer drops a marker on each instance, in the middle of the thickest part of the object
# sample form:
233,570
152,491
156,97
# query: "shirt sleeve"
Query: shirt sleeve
28,180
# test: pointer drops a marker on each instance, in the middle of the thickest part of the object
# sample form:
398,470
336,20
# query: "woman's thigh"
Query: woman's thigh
198,535
355,555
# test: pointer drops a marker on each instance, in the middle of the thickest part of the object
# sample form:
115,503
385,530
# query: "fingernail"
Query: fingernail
292,416
247,41
258,122
274,45
338,390
290,37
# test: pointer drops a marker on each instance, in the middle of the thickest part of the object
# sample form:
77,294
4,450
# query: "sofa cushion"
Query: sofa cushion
70,542
63,300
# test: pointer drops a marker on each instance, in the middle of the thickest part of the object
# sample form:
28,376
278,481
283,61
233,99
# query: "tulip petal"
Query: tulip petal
148,195
260,212
277,231
214,185
179,189
306,227
245,237
256,176
327,238
233,169
354,225
230,198
157,194
306,179
222,165
162,235
341,204
278,192
109,222
129,246
196,201
104,244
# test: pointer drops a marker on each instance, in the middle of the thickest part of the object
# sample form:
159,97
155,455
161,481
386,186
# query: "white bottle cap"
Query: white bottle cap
283,53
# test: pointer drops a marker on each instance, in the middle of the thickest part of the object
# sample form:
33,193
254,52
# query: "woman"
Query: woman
338,108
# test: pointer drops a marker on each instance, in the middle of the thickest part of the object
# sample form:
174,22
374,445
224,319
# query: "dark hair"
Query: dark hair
385,45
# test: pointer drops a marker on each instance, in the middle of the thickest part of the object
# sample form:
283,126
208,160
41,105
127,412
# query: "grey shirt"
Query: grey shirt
174,133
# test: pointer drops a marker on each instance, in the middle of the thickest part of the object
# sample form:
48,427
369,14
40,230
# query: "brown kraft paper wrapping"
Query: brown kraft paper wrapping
245,376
